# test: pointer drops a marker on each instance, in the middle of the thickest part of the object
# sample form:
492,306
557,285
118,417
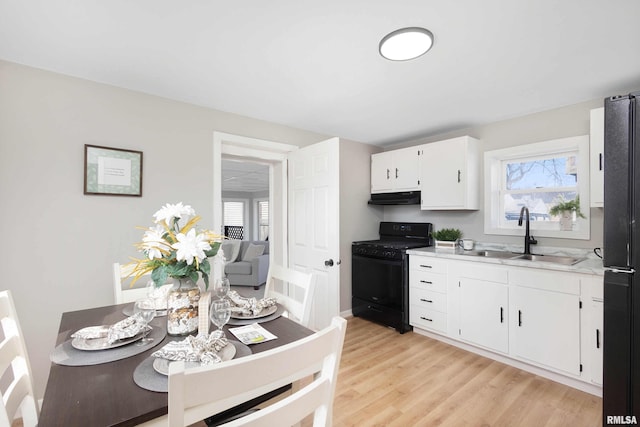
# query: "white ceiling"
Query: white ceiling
244,176
315,65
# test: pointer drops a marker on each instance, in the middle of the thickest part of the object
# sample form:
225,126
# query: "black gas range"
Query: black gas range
380,273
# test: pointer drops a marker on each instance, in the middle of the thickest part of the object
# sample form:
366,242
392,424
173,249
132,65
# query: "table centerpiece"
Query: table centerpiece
175,249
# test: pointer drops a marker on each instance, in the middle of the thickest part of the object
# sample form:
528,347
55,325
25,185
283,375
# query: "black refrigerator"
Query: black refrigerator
621,258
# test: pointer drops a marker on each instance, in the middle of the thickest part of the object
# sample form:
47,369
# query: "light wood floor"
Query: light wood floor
388,379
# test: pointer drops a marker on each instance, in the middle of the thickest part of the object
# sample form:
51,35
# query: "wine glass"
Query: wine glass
156,294
221,288
220,312
145,309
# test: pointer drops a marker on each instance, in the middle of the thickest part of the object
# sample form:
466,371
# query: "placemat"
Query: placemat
147,378
242,322
65,354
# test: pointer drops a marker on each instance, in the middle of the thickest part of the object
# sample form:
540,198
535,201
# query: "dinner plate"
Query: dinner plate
161,366
128,311
264,313
102,343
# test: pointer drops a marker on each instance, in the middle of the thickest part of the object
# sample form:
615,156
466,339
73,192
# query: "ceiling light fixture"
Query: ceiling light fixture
406,43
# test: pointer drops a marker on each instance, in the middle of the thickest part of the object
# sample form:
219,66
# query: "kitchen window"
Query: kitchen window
537,176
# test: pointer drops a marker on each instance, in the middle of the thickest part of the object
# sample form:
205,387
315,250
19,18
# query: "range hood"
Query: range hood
398,198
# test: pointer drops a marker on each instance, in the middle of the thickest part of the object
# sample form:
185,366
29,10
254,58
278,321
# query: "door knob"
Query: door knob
329,263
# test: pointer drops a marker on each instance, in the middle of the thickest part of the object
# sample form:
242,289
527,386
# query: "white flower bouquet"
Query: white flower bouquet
174,248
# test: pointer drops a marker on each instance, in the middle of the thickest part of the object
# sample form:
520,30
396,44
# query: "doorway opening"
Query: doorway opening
268,154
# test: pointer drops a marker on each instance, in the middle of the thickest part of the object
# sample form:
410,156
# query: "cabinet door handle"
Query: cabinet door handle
519,318
501,314
426,281
396,172
387,173
599,161
425,300
597,338
427,319
425,266
458,175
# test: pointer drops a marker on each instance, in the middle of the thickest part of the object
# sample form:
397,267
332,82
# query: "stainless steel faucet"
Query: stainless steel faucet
528,239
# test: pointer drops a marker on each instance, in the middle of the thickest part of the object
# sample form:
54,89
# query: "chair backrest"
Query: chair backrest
121,296
197,393
13,357
293,289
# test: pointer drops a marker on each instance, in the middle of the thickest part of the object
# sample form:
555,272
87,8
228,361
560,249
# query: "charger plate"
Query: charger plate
264,313
102,343
161,365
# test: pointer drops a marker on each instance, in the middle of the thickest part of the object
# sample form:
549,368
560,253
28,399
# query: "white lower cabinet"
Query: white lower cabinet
428,293
484,313
545,318
546,328
597,340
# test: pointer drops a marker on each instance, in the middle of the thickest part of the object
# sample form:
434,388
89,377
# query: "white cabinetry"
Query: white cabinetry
484,299
449,174
593,335
396,170
545,318
428,293
548,320
596,149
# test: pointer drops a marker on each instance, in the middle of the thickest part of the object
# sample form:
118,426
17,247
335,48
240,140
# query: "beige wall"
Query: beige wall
58,244
563,122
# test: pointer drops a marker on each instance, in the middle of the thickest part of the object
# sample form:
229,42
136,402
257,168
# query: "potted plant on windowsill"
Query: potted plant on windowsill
447,238
568,211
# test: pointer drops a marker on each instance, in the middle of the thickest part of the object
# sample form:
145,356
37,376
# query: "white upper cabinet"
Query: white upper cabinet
596,148
396,170
450,174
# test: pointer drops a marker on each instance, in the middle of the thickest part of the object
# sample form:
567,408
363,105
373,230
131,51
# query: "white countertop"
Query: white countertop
590,265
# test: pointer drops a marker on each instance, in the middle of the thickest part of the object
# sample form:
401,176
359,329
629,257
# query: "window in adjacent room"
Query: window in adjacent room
262,208
233,218
537,176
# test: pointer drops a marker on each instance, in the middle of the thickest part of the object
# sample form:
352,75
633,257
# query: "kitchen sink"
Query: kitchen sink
491,254
558,259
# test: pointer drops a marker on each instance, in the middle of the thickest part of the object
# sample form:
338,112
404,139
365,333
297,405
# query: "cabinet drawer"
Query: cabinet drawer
428,281
555,281
475,270
428,319
428,299
427,263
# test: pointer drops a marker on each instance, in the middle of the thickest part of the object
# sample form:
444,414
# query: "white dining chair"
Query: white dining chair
293,290
127,294
195,394
19,394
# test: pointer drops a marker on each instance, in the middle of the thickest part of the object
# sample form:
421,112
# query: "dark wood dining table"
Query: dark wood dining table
105,394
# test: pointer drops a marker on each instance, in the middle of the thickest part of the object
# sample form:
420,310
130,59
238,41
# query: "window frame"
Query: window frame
256,207
493,179
245,213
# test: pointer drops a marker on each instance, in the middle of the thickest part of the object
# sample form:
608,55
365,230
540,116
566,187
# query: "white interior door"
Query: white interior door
314,224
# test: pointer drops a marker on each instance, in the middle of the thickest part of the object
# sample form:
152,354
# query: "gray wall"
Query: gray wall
358,220
58,245
563,122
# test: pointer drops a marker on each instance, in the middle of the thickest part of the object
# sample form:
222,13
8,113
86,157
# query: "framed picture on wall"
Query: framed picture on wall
112,171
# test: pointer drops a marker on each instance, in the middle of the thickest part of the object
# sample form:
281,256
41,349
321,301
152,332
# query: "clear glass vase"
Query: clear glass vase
182,307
